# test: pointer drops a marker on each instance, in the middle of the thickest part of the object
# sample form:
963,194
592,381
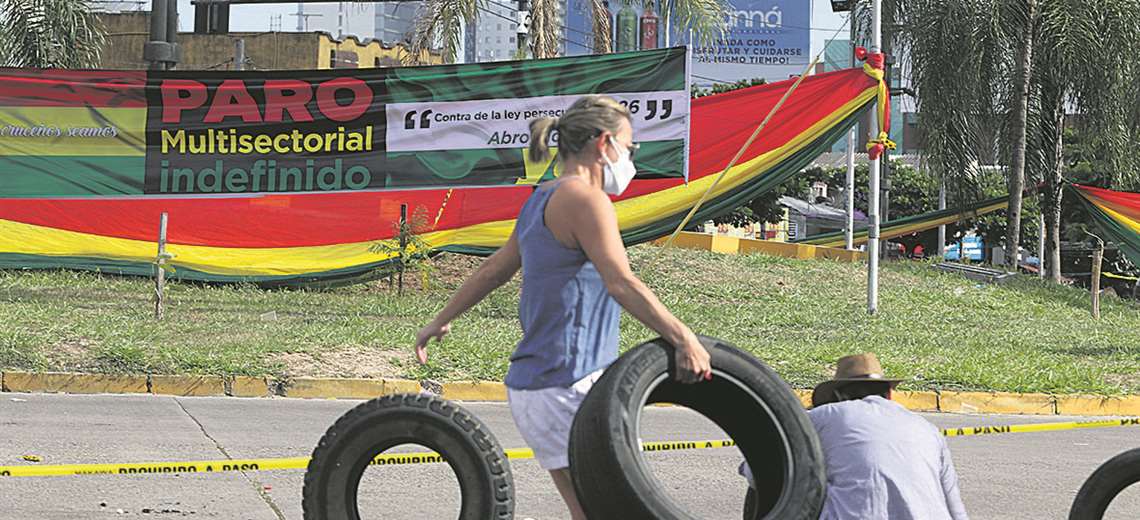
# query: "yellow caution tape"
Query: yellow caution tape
430,457
1040,427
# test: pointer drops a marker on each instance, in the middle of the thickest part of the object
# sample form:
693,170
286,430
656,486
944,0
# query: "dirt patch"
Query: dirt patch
356,363
70,355
1127,382
447,271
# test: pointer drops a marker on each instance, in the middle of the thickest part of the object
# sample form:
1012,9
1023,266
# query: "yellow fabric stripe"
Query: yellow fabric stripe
16,237
129,125
1124,220
39,240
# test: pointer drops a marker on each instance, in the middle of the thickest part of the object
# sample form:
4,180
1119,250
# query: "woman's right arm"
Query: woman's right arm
495,271
591,219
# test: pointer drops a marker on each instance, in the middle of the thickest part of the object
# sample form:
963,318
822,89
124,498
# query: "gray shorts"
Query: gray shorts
544,418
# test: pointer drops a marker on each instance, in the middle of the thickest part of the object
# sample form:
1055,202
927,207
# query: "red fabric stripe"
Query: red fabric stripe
721,124
271,220
1124,202
70,88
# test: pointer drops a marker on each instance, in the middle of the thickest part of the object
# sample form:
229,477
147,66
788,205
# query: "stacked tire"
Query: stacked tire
745,398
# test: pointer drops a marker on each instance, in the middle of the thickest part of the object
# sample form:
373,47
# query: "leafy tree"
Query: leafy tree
49,34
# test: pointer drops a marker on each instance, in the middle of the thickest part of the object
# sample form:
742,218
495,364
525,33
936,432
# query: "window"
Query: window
376,62
818,191
512,39
499,27
332,59
499,40
487,40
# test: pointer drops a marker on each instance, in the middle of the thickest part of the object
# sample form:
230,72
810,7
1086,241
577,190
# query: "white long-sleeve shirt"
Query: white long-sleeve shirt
883,462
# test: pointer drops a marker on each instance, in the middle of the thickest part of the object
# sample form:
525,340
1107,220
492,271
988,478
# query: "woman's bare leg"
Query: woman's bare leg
566,488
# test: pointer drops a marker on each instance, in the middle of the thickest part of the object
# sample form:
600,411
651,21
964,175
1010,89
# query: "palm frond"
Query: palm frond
706,19
437,25
49,34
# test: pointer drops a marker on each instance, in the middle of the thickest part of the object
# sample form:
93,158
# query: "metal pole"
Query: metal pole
850,189
942,228
172,22
521,29
849,238
239,54
157,32
873,191
885,170
1041,246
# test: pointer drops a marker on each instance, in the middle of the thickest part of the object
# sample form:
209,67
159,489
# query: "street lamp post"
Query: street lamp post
523,28
873,191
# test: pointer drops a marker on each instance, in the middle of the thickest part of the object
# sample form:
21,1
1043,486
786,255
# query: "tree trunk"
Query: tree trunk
1021,112
1055,190
602,28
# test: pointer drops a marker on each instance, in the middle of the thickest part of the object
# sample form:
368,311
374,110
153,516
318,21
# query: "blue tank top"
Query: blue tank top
569,320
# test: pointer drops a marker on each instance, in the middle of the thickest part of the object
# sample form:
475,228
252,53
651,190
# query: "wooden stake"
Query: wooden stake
403,246
1097,257
160,270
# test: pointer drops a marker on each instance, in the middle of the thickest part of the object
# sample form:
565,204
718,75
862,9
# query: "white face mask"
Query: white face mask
617,176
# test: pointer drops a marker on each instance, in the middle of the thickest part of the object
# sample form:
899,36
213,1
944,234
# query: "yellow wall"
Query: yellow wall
365,55
127,32
732,245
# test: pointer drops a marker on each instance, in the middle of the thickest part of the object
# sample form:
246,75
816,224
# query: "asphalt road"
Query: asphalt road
1013,476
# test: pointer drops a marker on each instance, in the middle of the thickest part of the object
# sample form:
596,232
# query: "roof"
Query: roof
839,159
821,212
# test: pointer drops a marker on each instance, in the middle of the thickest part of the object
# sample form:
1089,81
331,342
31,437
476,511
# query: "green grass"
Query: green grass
937,330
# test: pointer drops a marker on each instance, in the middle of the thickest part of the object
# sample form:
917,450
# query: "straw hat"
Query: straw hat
860,368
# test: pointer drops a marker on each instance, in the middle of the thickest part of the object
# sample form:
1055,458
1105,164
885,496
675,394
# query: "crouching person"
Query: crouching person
883,462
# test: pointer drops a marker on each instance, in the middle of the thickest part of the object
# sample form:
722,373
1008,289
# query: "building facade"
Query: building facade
340,19
394,21
127,32
385,21
493,36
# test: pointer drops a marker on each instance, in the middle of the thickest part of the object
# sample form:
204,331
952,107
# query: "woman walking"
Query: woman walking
575,274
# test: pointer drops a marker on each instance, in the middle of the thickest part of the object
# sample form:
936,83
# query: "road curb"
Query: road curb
351,388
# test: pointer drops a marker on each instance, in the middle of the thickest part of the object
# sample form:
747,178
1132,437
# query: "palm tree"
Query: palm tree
1015,66
1020,31
1081,63
438,23
952,54
49,34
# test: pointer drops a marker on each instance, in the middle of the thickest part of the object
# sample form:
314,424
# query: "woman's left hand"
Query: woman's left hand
433,330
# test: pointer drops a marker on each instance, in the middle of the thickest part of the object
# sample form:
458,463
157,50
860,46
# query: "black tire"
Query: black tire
339,460
750,505
745,398
1104,484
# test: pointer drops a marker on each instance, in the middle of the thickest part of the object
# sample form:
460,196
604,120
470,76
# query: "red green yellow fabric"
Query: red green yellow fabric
306,236
1116,214
915,224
